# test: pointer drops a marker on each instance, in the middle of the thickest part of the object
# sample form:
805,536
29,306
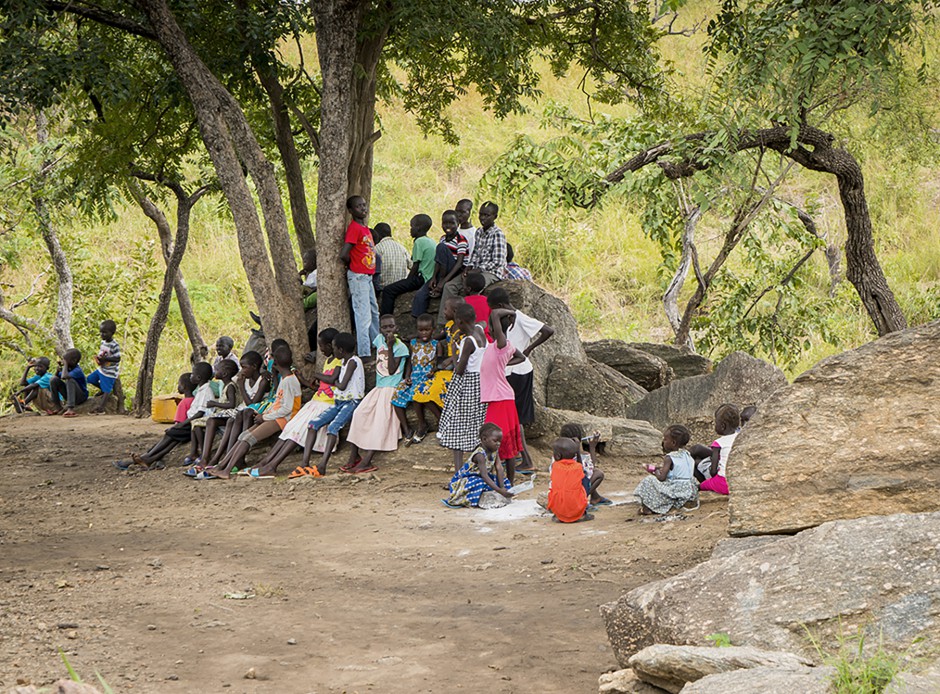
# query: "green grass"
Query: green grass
859,666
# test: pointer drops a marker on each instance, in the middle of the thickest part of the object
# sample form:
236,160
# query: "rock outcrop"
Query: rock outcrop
880,574
622,437
684,362
643,368
624,682
856,435
574,384
765,680
739,378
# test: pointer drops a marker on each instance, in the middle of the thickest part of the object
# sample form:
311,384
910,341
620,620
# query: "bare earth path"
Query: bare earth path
358,586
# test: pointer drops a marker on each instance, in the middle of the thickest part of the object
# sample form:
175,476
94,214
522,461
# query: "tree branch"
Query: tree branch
102,16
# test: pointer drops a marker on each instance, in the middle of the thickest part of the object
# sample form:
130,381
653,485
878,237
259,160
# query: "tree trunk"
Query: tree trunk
671,297
336,26
231,143
363,133
148,361
62,328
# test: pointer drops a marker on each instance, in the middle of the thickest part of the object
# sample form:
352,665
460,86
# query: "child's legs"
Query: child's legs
365,463
458,460
199,436
353,455
510,466
596,478
211,426
57,386
403,421
94,379
278,453
422,300
422,425
74,395
161,449
526,458
363,299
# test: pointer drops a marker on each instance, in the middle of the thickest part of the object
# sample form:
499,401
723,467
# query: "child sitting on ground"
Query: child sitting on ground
592,475
348,391
482,474
222,412
179,433
68,381
670,484
567,498
32,385
712,460
108,360
416,385
295,433
286,404
376,425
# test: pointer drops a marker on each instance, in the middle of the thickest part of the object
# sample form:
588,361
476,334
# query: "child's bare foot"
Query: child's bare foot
70,413
139,459
54,413
218,472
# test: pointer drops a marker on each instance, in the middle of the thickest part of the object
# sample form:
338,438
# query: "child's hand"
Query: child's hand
406,381
310,357
505,492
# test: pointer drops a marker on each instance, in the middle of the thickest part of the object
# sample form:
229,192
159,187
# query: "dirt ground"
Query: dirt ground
357,585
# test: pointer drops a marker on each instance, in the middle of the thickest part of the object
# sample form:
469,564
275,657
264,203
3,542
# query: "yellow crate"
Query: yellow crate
163,408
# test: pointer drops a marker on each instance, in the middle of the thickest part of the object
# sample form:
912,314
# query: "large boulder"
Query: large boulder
631,391
739,378
577,384
643,368
878,573
621,437
672,667
682,360
856,435
766,680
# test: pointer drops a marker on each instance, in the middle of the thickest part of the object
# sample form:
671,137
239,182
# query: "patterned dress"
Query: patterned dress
466,486
464,413
423,360
675,491
437,391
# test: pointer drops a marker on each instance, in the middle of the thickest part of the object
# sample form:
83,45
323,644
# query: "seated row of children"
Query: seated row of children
59,393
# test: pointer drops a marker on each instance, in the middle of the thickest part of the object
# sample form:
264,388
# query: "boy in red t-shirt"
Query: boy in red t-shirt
359,255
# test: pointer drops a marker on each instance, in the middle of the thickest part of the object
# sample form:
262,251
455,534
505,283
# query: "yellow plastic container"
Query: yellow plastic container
163,408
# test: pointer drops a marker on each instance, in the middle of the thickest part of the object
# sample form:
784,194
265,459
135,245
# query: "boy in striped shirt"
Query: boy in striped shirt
108,360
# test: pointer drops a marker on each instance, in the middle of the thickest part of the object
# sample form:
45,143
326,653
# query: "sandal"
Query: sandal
300,472
371,468
122,465
204,475
193,471
255,474
348,467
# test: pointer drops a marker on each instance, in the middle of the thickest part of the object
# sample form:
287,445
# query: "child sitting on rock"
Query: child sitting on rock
712,460
32,385
670,484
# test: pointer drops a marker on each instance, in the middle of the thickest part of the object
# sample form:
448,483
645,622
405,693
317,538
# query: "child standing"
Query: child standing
108,360
348,391
68,381
175,435
567,498
416,386
712,460
359,256
669,485
31,385
496,391
422,257
592,475
376,425
482,473
464,412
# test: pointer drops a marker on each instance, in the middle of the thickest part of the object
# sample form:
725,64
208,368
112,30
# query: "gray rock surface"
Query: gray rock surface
683,361
672,667
575,384
856,435
624,682
925,681
765,680
645,369
880,574
727,546
739,379
630,390
623,437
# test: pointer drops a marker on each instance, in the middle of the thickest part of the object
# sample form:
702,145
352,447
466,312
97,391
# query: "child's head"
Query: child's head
510,254
727,419
40,365
498,298
251,363
747,413
465,316
463,209
572,430
675,437
275,344
226,370
325,341
381,231
449,223
450,306
425,326
474,282
420,225
202,373
488,212
344,345
565,448
387,325
71,357
283,357
357,207
107,329
309,259
185,384
224,345
491,437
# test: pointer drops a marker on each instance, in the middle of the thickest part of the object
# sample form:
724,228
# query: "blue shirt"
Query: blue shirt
383,379
43,380
79,377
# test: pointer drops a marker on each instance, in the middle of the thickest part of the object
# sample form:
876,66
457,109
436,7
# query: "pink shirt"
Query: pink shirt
493,384
182,409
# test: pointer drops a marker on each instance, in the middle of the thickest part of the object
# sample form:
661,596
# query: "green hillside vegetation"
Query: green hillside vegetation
599,260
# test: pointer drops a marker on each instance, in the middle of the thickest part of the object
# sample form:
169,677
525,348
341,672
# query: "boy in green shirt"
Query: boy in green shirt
422,255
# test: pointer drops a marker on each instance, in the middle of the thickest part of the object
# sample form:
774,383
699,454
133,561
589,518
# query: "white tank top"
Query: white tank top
475,359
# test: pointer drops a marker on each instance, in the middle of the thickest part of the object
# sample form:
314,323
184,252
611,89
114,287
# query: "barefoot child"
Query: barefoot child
223,411
496,391
348,391
179,433
286,404
482,473
31,385
376,425
108,360
592,476
669,485
566,496
359,256
464,412
69,381
449,257
712,460
416,386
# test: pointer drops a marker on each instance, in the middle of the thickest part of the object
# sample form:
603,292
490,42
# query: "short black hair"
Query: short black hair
227,365
425,318
449,213
227,341
475,281
498,297
563,448
203,371
283,356
465,312
380,231
253,358
72,355
491,205
679,433
572,430
351,199
727,418
422,223
109,326
488,428
275,343
327,334
345,341
510,254
464,201
184,381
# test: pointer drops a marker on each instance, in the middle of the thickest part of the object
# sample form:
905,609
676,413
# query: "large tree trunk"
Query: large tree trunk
363,133
148,361
337,22
231,143
62,328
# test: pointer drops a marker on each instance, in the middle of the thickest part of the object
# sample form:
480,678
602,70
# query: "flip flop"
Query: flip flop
157,465
604,502
301,472
122,465
193,471
371,468
526,471
255,474
244,473
449,505
349,466
70,414
203,475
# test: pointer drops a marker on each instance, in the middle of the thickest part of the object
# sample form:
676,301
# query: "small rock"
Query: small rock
102,567
251,674
172,677
151,627
71,464
65,625
291,642
72,635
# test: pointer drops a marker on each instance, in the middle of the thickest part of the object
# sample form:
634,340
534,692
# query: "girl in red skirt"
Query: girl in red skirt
496,391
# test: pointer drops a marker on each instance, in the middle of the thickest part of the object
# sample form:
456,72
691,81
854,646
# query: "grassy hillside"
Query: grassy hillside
606,269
